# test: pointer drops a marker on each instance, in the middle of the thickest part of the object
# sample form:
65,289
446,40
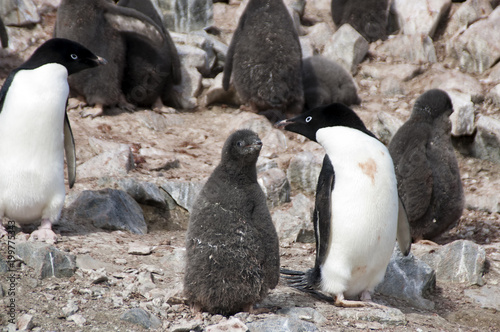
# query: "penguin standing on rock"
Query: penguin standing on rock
232,246
357,215
35,133
265,60
426,167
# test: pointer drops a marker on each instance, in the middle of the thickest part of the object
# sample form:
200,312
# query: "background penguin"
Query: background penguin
326,82
265,60
369,17
4,37
150,71
232,245
426,167
357,213
34,131
100,26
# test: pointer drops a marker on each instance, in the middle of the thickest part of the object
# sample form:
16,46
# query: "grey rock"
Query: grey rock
143,192
306,47
391,86
77,319
183,193
400,71
494,75
46,260
385,126
482,199
153,120
283,324
494,95
487,140
217,94
187,15
409,279
347,47
195,57
389,316
87,262
416,49
275,185
115,160
307,314
478,47
189,89
419,16
303,171
186,326
274,142
455,81
109,209
264,164
461,261
19,12
319,35
257,123
487,296
468,13
232,324
25,322
462,118
139,249
70,309
141,317
200,40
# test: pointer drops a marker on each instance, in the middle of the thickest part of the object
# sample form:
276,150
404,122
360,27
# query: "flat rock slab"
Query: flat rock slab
282,324
389,316
46,260
487,296
142,318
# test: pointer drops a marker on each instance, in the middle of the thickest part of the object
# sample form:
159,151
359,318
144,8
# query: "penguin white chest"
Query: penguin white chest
32,144
364,208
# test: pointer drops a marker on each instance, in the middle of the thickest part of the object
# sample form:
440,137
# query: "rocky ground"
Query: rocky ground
118,271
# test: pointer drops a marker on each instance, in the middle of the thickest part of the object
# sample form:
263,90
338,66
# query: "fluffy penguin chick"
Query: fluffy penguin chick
426,167
356,210
232,245
265,60
35,131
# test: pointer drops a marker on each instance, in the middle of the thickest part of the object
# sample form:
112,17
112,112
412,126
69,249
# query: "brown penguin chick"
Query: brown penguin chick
100,26
326,82
232,249
265,60
426,167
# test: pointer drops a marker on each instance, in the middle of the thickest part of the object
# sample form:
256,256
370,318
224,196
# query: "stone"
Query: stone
186,326
78,319
139,249
385,126
346,47
217,94
145,193
187,15
115,160
275,186
70,309
307,314
273,143
141,317
455,81
399,71
153,120
461,261
419,16
487,140
409,279
319,35
183,193
25,323
189,89
257,123
388,316
19,12
494,95
482,199
46,260
417,49
466,14
303,171
487,296
306,47
196,42
176,261
462,118
87,262
232,324
290,227
195,57
390,86
108,209
477,48
282,324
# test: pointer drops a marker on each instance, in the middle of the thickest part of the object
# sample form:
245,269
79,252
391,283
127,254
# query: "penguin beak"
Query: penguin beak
283,123
101,61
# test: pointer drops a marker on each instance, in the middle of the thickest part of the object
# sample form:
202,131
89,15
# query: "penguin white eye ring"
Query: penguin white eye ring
74,56
308,119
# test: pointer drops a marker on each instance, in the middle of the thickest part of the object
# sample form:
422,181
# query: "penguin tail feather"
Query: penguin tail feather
305,282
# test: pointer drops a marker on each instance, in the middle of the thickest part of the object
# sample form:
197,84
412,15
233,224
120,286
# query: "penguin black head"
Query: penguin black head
68,53
432,104
336,114
242,146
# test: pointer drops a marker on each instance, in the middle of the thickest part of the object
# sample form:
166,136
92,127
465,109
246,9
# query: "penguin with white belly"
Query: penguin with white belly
357,215
35,133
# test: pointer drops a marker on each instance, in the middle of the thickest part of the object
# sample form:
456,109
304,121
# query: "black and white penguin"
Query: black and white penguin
426,167
4,37
35,133
100,25
357,214
369,17
326,82
232,249
265,60
151,70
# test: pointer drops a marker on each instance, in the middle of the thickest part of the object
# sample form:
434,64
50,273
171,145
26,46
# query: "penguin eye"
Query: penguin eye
74,56
308,119
239,144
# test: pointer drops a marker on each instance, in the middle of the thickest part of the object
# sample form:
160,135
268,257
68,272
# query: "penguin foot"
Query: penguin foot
44,233
365,302
93,112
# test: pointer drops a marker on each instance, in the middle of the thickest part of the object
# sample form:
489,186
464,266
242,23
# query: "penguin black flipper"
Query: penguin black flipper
69,151
3,35
228,64
404,232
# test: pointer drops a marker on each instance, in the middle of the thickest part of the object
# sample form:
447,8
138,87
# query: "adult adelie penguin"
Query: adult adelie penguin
357,214
232,246
35,133
100,25
426,167
265,60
